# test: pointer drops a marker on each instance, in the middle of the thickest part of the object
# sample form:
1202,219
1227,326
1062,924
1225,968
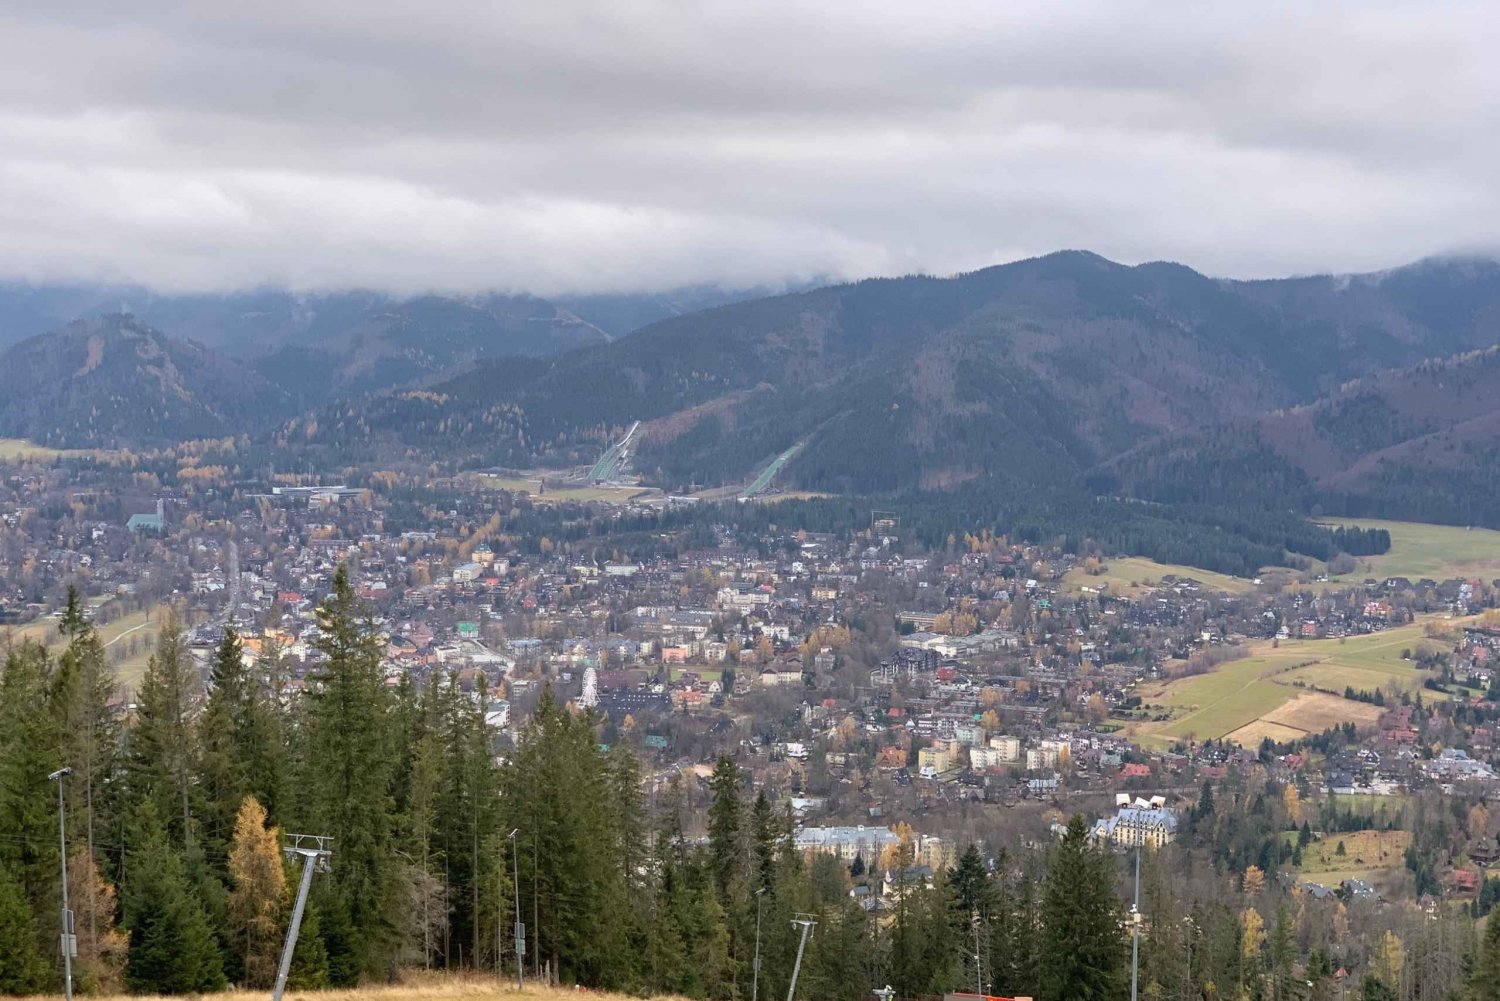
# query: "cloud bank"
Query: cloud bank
634,145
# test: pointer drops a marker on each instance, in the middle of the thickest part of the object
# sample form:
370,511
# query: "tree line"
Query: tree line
440,835
176,811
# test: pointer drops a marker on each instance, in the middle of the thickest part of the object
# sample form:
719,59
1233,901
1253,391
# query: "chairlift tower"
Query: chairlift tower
315,850
806,922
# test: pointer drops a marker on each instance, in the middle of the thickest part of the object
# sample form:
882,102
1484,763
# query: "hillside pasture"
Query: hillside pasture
1135,577
1419,550
1268,694
143,625
12,449
1367,855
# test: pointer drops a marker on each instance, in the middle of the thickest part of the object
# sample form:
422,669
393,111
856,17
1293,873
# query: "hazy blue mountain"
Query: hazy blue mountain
115,381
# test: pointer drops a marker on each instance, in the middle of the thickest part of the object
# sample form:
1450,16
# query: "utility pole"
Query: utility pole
69,940
806,924
755,965
520,929
1135,928
315,850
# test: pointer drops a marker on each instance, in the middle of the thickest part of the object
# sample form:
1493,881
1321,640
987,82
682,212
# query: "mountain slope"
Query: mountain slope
1037,370
114,380
1419,443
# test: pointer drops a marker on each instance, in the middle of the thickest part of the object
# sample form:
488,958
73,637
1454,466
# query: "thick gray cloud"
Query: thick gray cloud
638,144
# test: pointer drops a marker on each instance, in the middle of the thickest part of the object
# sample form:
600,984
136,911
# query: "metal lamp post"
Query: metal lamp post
520,932
69,941
1135,928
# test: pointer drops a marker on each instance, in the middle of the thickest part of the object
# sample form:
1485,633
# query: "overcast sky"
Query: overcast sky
550,146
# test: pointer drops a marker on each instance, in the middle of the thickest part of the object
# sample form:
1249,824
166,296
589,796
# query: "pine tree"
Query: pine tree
348,765
1083,956
22,969
257,900
172,945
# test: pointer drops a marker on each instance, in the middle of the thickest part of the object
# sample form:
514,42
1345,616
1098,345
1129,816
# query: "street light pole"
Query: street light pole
1192,928
69,940
520,932
755,965
1135,928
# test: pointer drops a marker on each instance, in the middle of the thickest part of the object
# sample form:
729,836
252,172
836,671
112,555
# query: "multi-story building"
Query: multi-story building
1139,824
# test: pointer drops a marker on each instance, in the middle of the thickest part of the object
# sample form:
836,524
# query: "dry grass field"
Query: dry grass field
417,986
1367,855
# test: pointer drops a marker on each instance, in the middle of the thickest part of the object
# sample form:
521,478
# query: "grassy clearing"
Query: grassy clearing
1259,696
418,986
1436,551
17,449
707,674
1369,803
1135,577
142,626
1366,854
12,449
558,494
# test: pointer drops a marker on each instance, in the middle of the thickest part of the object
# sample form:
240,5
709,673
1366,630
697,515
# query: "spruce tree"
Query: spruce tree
724,824
1485,984
29,752
163,742
347,769
172,945
241,752
84,693
764,838
1083,957
22,969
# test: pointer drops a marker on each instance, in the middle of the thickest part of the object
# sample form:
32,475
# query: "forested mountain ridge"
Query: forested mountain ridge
320,347
1037,370
114,380
1418,443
